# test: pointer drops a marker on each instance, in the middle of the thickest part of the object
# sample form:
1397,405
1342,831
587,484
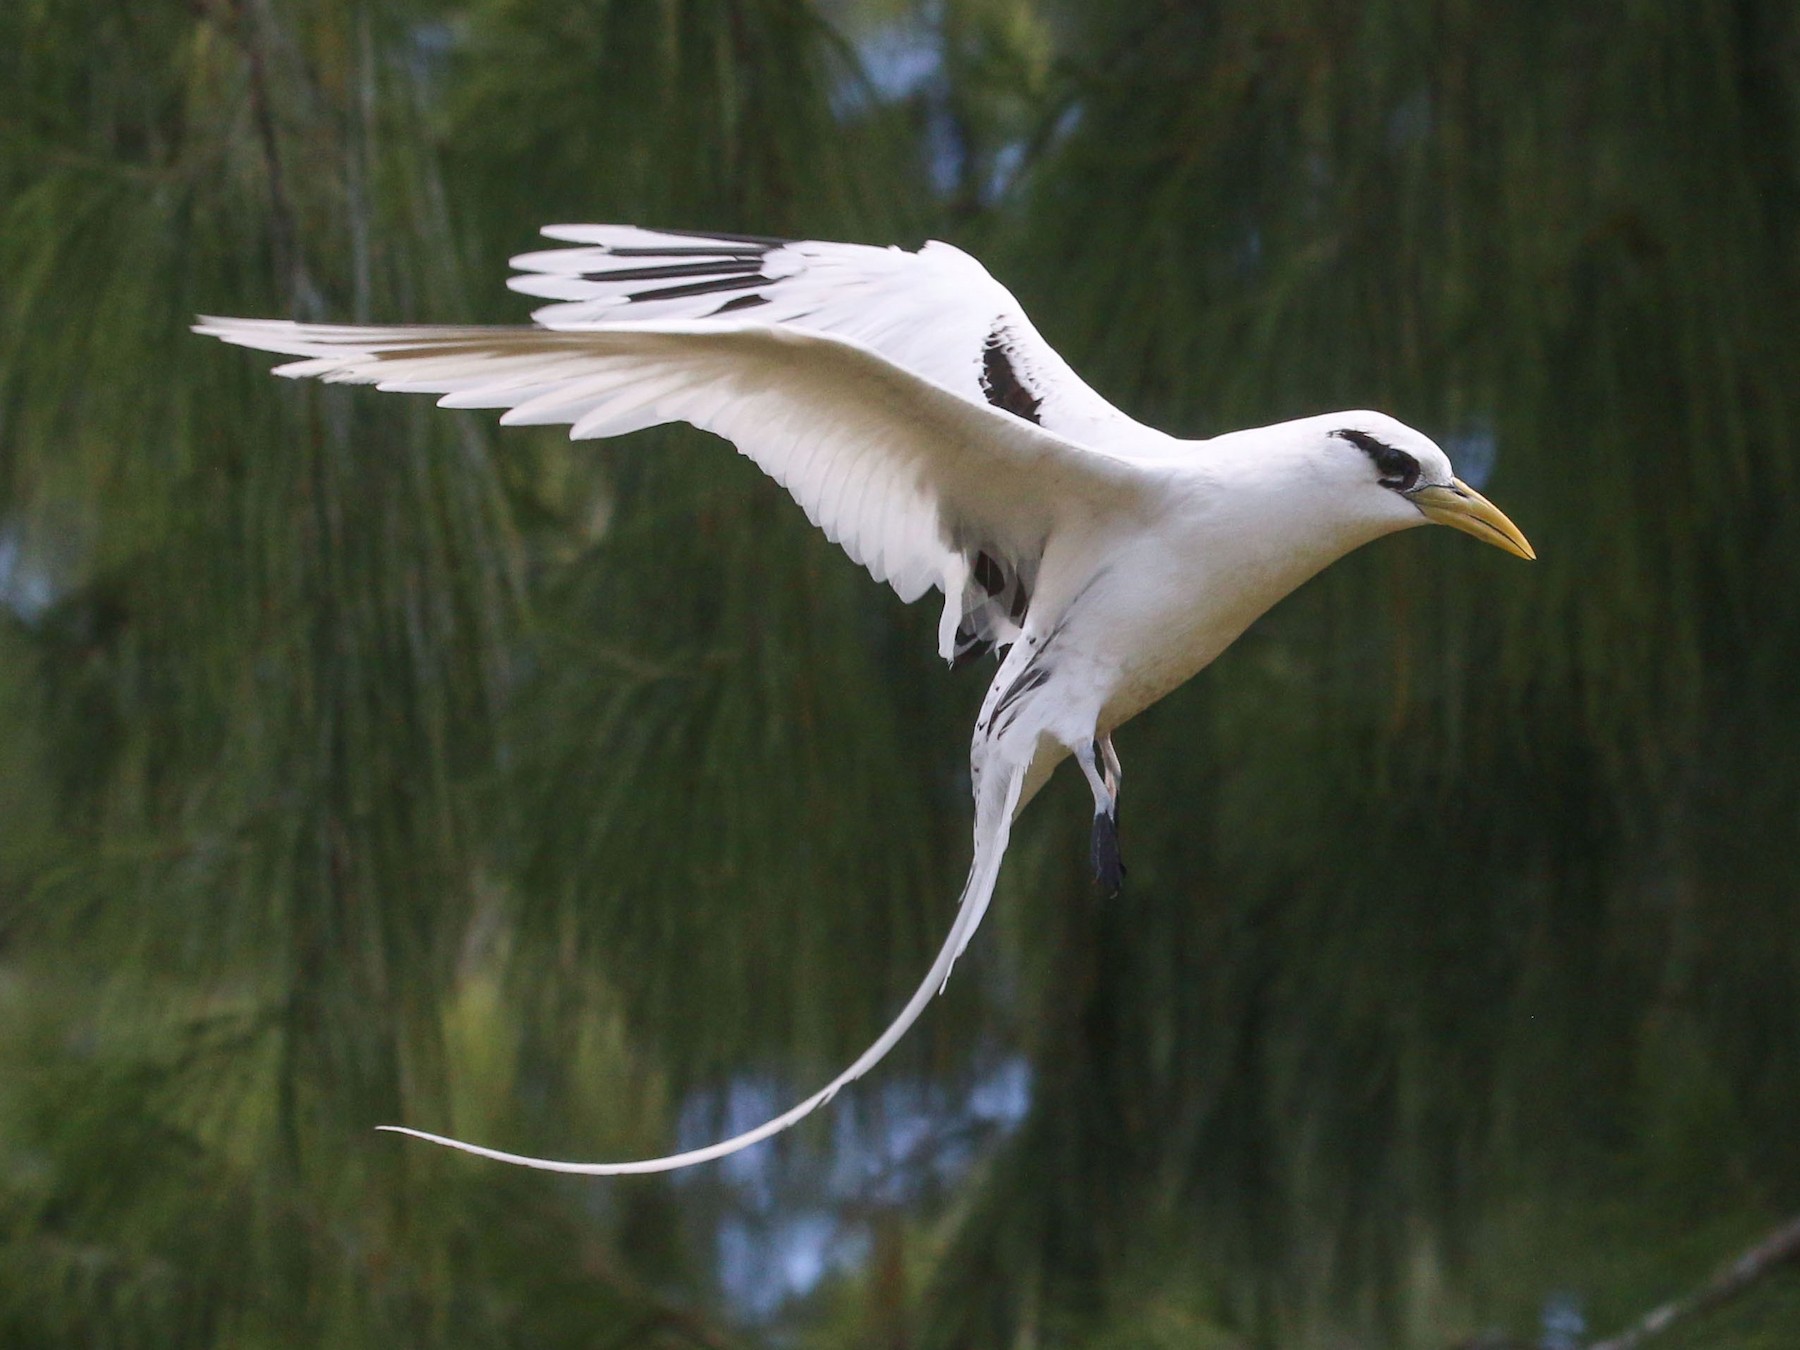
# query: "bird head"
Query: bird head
1403,476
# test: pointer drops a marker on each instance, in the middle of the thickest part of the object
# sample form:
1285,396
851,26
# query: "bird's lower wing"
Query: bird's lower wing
993,825
910,480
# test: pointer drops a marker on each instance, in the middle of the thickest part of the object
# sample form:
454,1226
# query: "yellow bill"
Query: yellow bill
1463,508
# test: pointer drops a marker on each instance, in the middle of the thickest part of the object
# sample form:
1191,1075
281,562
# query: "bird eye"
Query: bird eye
1398,470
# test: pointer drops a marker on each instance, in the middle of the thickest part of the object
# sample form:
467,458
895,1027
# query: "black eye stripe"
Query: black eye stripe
1398,469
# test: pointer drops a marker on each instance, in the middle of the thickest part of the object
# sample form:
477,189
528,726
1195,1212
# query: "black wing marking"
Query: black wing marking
729,283
740,302
988,573
668,271
733,262
970,646
1032,677
995,599
764,242
1000,382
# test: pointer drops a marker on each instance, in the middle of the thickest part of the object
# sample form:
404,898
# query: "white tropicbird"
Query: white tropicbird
909,406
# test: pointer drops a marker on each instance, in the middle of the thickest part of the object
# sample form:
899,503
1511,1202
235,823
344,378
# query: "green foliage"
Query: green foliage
362,764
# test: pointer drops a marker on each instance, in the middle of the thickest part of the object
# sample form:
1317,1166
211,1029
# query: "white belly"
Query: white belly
1128,619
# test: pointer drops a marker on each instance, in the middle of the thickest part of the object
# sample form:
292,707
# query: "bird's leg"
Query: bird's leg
1114,774
1114,777
1100,766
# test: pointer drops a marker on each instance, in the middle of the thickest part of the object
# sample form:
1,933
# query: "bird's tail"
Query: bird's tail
996,798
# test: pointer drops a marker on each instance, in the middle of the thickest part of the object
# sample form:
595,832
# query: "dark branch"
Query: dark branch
1780,1248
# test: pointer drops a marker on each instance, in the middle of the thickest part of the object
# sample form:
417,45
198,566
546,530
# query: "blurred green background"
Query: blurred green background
360,763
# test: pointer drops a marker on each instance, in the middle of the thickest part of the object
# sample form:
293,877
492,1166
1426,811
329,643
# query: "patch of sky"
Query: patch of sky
945,152
704,1119
1008,160
789,1215
427,51
1474,449
900,60
26,587
762,1266
1068,121
1003,1096
904,61
433,41
918,1139
1562,1323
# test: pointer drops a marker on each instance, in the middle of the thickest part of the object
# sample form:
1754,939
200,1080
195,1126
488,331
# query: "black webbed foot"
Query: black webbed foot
1109,867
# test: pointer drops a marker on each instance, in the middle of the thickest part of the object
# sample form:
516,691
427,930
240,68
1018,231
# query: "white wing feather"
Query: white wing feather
933,312
899,472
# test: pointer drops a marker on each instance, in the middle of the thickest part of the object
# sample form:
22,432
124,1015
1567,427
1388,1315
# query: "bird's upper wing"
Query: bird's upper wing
915,483
937,313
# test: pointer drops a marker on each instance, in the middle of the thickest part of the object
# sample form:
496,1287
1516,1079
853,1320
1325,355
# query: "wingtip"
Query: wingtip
232,328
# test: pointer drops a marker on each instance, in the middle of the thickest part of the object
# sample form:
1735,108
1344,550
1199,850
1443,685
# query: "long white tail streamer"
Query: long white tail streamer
993,829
